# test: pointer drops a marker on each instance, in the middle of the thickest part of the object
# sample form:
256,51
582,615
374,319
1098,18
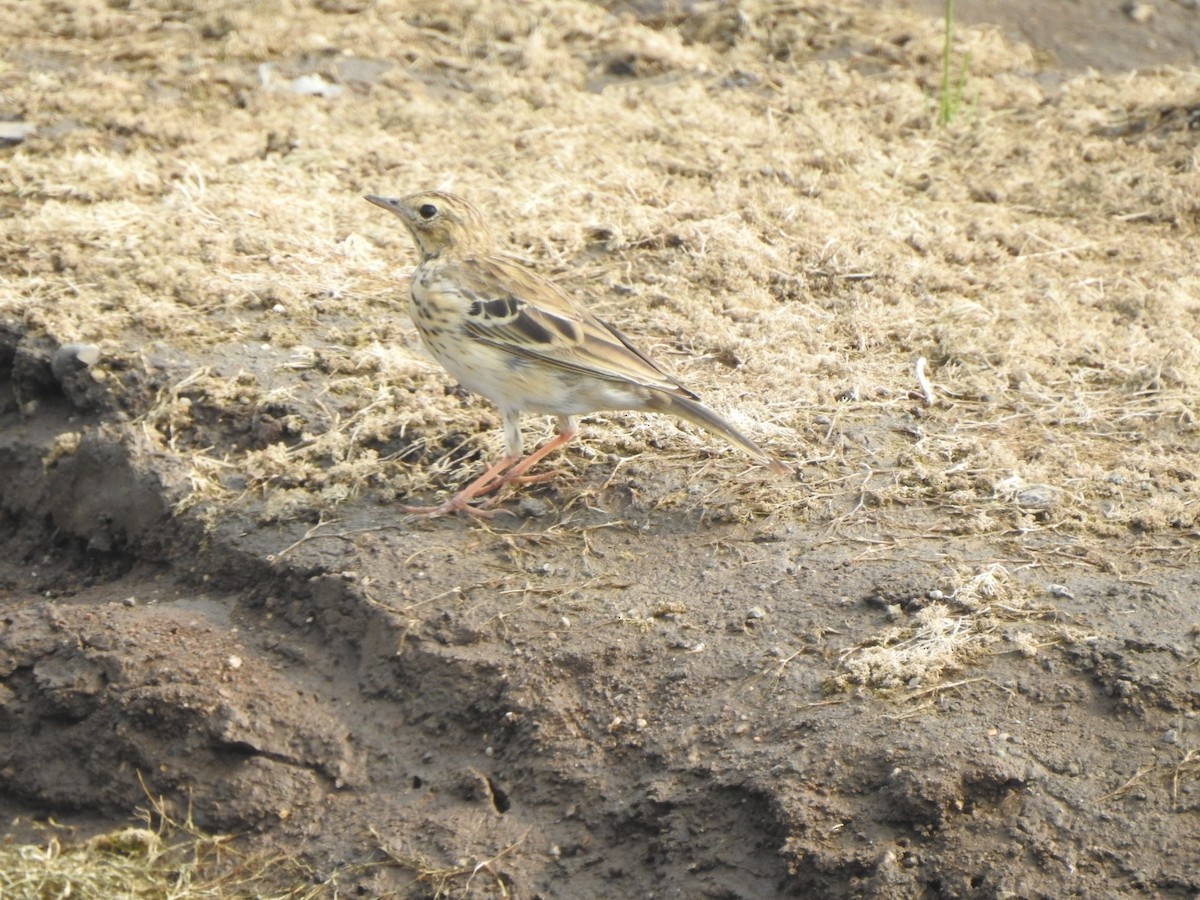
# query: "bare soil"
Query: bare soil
956,655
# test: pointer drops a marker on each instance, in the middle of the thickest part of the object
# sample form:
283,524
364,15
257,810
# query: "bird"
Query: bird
505,332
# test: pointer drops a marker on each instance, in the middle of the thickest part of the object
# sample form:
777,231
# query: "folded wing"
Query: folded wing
518,312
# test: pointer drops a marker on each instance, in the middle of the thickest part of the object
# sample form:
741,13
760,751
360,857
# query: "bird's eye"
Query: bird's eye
427,211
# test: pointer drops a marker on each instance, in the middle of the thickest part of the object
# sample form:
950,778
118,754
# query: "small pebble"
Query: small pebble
532,508
314,86
70,357
15,132
1139,12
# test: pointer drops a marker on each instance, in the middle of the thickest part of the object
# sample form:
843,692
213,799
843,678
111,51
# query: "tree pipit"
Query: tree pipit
507,333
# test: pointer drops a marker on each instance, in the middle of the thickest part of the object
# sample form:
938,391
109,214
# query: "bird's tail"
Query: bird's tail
699,414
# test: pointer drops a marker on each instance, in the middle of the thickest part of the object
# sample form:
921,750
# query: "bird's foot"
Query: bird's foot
454,505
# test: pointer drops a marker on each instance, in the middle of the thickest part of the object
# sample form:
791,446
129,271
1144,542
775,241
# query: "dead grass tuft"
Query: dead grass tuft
460,878
944,635
160,858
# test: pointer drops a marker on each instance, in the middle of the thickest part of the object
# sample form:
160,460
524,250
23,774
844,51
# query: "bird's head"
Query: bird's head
439,221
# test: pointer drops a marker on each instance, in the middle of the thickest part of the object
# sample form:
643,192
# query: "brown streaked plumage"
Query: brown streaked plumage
506,333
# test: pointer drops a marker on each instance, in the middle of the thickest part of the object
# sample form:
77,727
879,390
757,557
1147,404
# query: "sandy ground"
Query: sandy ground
956,653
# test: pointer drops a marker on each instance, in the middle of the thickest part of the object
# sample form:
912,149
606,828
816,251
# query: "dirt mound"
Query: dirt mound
954,655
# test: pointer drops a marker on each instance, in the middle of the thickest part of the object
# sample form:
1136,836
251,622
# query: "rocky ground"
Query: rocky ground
956,653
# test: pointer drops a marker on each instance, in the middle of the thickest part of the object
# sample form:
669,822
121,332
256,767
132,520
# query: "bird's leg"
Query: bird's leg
496,477
566,430
488,481
510,469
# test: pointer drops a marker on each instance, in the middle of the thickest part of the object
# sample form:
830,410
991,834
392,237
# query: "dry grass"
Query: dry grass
763,199
161,858
982,610
467,877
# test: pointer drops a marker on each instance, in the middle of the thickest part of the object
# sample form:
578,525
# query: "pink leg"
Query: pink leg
509,470
517,475
488,481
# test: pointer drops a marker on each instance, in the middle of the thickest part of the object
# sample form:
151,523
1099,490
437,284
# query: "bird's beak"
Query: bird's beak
388,203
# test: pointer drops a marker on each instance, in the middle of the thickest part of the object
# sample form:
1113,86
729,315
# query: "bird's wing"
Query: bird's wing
514,310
